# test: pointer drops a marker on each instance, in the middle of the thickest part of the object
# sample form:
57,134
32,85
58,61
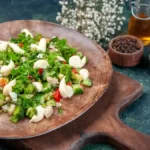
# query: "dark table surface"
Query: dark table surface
136,115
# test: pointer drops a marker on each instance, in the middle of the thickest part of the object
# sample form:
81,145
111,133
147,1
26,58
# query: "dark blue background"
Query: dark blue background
136,115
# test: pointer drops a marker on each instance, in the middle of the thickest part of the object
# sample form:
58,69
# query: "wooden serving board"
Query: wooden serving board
100,124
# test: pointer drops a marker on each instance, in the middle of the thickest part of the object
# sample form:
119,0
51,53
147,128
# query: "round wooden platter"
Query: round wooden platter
99,66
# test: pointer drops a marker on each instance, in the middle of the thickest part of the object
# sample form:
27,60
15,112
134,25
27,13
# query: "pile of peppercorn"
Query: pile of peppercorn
126,45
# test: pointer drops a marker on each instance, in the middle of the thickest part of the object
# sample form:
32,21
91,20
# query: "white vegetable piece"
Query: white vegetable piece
41,64
11,109
40,114
6,70
27,32
65,90
5,108
52,48
3,45
84,73
77,62
59,58
34,46
70,91
7,99
38,86
52,81
48,111
42,45
83,61
23,59
8,88
16,48
13,96
58,104
40,55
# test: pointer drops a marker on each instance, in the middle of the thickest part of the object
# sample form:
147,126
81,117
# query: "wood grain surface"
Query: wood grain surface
99,124
99,66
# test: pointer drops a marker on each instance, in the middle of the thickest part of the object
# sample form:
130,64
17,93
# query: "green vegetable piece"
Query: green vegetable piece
18,114
9,49
65,50
86,60
51,102
29,89
38,37
30,112
46,87
14,119
77,78
77,88
45,75
48,96
66,70
2,97
1,111
2,100
60,111
39,98
14,57
60,76
25,102
80,54
87,82
19,87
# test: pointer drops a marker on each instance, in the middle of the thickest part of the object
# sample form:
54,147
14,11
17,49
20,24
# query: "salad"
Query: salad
37,73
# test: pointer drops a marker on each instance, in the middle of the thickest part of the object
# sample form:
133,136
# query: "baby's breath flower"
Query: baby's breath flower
97,23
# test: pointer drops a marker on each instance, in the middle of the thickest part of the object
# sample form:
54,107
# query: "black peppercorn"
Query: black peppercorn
126,45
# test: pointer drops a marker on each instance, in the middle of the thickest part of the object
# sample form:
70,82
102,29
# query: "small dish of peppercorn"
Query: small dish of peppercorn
126,50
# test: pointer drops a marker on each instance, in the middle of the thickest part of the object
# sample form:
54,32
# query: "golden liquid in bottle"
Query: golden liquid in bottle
139,26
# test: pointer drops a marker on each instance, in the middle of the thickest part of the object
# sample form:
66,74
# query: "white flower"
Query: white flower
97,24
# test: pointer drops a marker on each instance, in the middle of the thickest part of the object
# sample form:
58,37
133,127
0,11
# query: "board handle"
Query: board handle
126,141
98,137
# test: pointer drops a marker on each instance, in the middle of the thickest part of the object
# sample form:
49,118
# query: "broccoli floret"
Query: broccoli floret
39,98
19,87
18,114
30,112
29,89
25,101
